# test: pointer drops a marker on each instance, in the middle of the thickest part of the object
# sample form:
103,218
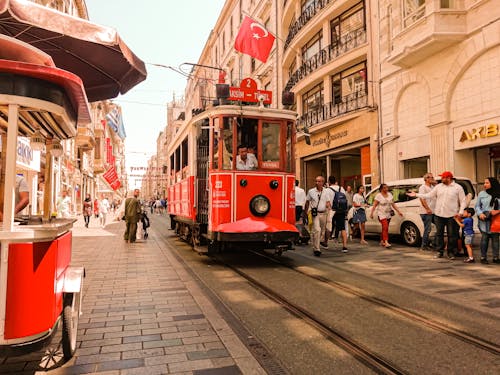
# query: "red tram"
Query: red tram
212,200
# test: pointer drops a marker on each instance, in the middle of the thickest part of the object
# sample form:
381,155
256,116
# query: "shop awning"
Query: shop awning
45,84
93,52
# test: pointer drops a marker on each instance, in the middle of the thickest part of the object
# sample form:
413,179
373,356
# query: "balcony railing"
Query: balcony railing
345,44
328,111
304,18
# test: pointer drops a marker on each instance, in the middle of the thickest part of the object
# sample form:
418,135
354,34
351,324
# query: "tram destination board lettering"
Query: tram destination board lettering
252,96
248,92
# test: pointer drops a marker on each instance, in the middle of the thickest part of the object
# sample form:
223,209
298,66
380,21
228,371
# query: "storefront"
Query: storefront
347,151
477,149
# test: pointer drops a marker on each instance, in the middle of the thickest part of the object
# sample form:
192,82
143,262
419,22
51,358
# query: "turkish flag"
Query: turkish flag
254,40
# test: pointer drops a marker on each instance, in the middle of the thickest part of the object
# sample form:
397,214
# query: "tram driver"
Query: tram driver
245,161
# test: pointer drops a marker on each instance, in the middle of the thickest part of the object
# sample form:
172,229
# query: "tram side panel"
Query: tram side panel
181,200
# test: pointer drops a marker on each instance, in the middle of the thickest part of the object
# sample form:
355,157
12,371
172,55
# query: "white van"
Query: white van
410,226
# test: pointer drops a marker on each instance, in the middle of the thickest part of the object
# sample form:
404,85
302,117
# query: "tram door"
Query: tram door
202,176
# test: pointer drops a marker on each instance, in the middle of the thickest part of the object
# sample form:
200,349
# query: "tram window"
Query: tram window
270,145
247,132
215,149
289,148
227,144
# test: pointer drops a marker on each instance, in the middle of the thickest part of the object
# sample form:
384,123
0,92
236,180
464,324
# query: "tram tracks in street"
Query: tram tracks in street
369,358
376,334
403,312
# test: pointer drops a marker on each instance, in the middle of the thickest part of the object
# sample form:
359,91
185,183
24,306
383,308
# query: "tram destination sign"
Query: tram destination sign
248,92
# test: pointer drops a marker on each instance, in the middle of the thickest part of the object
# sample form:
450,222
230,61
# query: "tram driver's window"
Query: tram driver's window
270,145
227,144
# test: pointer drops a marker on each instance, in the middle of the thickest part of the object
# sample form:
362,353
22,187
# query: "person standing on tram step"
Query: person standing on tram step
427,209
488,206
300,200
244,160
319,200
450,202
87,210
22,198
64,205
132,216
385,207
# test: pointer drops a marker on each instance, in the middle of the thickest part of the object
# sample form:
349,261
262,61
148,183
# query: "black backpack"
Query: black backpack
339,202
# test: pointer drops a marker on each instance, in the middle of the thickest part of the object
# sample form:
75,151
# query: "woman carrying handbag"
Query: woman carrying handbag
488,212
385,207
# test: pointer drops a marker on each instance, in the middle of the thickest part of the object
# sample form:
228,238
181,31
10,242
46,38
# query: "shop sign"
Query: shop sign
26,156
326,140
486,131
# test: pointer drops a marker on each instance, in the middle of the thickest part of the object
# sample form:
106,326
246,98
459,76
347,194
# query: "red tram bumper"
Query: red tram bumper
256,230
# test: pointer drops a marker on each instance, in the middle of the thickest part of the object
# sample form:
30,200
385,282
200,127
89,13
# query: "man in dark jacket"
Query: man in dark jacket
132,216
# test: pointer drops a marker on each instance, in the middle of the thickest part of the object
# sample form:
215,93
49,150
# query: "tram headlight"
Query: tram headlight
260,205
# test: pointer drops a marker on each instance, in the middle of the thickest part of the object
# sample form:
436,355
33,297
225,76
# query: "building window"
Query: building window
312,47
413,10
252,64
349,84
313,99
231,27
351,20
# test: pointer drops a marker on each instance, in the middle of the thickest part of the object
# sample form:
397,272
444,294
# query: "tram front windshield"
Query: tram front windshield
252,144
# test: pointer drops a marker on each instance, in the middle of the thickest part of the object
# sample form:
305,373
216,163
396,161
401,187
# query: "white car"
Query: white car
410,226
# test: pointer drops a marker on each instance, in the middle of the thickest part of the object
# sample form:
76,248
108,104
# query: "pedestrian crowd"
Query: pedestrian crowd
101,208
325,207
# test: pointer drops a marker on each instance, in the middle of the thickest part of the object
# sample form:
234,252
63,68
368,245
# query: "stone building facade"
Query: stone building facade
329,64
440,84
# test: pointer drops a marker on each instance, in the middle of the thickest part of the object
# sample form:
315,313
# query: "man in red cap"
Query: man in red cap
450,203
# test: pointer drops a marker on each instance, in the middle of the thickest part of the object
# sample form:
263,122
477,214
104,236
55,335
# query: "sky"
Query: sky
163,32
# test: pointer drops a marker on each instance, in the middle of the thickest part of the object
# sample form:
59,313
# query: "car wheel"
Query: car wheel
411,234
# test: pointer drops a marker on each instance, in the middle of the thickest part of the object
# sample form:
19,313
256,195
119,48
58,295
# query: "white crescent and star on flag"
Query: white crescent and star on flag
257,35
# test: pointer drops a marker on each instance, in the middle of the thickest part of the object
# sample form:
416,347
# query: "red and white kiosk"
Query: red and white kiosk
51,65
38,287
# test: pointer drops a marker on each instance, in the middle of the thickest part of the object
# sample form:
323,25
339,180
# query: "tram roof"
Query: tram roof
247,111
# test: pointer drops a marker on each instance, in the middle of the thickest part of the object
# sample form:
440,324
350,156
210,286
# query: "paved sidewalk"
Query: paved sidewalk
142,314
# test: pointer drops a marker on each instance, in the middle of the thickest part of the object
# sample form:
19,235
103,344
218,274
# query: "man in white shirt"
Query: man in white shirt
427,209
300,200
319,199
63,205
450,203
104,207
244,160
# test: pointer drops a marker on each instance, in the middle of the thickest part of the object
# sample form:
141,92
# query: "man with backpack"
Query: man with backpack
339,209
